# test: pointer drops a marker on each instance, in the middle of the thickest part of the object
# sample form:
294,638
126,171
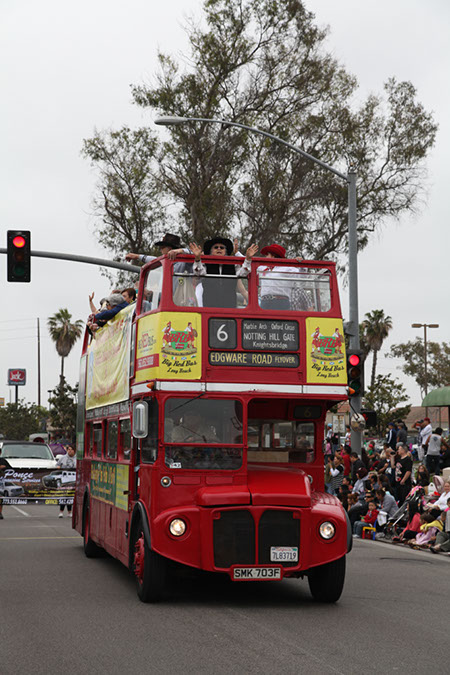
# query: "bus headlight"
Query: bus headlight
327,530
177,527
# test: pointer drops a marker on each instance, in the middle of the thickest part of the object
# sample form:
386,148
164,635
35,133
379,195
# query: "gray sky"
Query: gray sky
68,69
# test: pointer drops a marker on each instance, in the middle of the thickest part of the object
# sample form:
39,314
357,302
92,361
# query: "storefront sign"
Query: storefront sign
270,335
254,359
17,376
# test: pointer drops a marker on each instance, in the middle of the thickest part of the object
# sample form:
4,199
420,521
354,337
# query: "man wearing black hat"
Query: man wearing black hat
219,292
170,245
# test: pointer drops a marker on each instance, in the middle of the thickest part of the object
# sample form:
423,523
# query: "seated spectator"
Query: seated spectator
373,480
114,304
429,526
369,519
387,502
356,508
412,526
422,476
342,495
441,503
442,544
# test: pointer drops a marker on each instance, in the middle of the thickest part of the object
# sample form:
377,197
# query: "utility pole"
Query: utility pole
39,362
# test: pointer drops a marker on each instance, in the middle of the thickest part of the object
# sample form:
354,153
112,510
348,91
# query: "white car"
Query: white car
10,489
27,455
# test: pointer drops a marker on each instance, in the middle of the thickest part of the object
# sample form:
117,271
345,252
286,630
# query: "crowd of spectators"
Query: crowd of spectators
388,495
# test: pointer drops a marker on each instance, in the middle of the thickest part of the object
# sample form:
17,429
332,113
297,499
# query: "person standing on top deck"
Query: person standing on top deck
275,285
170,245
221,292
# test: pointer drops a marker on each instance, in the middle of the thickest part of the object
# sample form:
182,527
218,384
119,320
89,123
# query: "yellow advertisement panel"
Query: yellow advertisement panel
109,362
168,347
109,483
325,351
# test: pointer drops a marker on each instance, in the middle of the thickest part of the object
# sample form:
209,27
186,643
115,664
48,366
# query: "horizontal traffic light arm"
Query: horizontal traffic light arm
99,262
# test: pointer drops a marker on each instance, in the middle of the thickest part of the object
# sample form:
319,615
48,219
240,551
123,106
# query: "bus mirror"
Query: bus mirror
140,419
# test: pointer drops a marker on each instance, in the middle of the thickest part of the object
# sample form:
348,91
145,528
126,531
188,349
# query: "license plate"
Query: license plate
283,554
250,573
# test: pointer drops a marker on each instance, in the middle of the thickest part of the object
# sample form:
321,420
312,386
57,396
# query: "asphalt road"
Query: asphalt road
62,613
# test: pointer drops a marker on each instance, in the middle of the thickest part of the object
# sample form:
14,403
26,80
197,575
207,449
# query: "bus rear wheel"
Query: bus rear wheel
91,550
149,570
327,581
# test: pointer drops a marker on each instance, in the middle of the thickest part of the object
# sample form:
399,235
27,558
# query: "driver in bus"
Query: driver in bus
192,429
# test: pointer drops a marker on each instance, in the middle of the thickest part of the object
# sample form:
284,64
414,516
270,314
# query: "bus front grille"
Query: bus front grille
277,528
234,539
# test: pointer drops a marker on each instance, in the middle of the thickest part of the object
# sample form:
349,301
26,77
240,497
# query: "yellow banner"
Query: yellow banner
108,366
325,351
169,347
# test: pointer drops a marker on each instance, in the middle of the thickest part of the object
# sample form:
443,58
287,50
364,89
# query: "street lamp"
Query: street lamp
352,327
425,326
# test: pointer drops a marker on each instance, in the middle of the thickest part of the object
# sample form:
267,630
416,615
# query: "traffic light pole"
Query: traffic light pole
99,262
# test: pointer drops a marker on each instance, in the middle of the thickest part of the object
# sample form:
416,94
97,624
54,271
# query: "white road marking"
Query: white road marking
24,513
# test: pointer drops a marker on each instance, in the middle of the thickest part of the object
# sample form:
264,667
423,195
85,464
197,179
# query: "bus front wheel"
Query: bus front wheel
327,581
149,570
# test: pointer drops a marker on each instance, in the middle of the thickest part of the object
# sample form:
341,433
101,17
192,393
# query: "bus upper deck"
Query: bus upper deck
280,324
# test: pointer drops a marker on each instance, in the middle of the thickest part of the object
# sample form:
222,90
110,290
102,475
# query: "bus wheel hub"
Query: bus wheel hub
139,558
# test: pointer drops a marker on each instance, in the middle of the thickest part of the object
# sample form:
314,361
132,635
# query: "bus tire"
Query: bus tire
91,549
327,581
149,569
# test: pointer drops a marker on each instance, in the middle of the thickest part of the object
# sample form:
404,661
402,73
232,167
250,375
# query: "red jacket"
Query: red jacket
371,517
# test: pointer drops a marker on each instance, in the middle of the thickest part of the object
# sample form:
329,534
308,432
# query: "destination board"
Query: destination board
254,359
269,335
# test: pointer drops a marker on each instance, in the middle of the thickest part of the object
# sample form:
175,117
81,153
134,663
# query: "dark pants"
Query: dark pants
402,492
433,462
69,507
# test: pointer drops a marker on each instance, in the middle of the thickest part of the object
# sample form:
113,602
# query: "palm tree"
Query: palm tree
64,334
376,328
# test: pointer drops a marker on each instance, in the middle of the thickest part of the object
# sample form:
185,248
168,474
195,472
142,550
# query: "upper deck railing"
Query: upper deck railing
273,285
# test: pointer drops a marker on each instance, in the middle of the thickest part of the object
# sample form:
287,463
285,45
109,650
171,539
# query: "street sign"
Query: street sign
2,401
17,376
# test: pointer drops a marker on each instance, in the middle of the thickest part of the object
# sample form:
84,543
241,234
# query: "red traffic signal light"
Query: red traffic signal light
19,255
355,373
354,359
18,241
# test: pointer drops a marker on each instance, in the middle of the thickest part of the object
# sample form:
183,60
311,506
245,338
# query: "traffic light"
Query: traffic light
19,255
355,373
371,418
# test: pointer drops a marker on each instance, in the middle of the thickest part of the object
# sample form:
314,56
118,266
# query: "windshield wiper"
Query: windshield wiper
188,401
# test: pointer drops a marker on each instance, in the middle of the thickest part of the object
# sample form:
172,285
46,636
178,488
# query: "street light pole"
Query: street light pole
350,179
425,326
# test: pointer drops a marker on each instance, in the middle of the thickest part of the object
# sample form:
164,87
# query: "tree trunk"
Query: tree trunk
374,367
61,377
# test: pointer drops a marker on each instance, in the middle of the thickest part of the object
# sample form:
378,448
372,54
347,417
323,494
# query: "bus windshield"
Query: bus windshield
203,421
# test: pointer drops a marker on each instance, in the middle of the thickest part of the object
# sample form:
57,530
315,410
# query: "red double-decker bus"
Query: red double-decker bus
201,423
